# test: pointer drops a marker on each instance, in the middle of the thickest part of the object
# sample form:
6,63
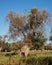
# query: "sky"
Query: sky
21,6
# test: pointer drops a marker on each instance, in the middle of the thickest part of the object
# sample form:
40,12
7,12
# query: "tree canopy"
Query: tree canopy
26,24
31,26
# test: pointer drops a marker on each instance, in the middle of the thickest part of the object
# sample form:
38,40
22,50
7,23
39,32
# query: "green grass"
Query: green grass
31,59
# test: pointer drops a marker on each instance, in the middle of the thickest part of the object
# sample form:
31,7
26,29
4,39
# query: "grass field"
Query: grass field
29,60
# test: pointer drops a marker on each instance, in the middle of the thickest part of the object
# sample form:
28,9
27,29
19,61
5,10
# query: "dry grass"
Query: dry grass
40,51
